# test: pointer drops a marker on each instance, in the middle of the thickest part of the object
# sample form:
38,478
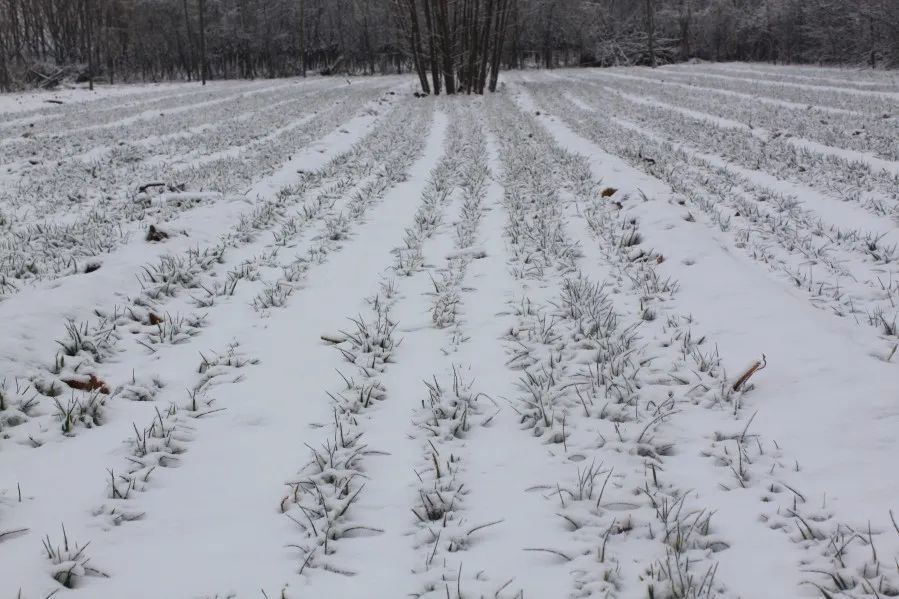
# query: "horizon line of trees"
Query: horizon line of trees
453,45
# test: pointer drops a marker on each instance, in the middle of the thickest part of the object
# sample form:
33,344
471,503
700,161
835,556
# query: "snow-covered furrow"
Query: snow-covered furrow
267,531
199,278
861,154
366,435
838,175
644,76
875,103
86,183
449,285
166,437
857,132
152,117
124,109
846,271
854,78
455,417
745,459
323,209
651,391
585,366
574,339
394,159
838,89
388,348
832,550
51,109
81,144
832,205
41,251
162,443
33,315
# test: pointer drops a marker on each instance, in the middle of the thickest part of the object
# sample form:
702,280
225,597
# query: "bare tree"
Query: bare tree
301,29
651,31
89,35
204,58
188,27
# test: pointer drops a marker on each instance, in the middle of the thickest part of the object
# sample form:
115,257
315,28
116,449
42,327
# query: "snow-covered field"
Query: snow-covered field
624,333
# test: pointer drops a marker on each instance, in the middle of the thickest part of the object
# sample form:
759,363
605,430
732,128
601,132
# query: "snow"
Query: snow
532,308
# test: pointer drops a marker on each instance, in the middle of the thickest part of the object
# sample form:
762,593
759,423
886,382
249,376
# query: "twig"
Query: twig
10,533
744,378
482,526
553,551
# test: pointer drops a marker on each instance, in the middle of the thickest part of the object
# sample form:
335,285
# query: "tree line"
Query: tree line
452,45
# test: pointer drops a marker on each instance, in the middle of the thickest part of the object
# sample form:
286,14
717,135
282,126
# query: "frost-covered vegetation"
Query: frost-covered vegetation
620,333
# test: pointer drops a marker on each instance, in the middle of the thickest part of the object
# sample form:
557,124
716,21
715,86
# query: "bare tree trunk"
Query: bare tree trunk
110,60
470,27
368,50
204,62
488,40
499,35
446,43
408,16
516,38
548,61
88,6
873,55
5,83
685,18
432,44
190,42
302,33
651,31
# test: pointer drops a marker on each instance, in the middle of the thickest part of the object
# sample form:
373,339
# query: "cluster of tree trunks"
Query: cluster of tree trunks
461,43
453,45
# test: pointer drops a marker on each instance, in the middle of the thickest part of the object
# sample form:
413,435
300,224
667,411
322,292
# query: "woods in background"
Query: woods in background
151,40
621,32
455,45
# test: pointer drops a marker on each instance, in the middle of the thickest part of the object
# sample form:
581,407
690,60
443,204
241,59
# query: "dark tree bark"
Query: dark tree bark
502,23
190,41
446,46
302,35
651,31
89,28
685,21
204,59
488,36
413,33
465,40
432,45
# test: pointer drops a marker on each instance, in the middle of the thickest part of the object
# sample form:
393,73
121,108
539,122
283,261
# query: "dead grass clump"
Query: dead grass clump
91,384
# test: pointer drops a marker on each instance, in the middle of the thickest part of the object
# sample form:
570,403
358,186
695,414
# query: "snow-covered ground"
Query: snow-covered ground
620,333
